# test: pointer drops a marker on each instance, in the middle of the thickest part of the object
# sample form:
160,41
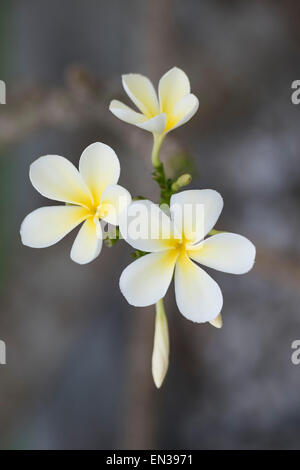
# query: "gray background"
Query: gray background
78,372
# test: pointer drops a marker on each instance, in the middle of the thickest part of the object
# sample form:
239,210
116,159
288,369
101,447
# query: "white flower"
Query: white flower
147,279
175,106
90,194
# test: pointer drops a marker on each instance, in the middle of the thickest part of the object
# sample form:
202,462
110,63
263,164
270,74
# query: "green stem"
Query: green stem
157,142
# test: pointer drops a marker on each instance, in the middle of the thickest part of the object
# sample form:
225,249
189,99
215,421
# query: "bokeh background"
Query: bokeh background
78,373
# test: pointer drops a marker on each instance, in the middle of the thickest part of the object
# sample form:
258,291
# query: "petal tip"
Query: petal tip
252,257
112,104
217,322
157,382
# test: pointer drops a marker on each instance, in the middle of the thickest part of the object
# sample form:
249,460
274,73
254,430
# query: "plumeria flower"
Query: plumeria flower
178,245
174,106
90,195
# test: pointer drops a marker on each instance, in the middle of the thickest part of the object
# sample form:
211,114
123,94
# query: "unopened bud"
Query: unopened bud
183,180
217,322
160,356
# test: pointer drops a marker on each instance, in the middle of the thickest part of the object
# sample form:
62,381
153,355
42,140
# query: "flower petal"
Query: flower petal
88,243
147,279
141,91
47,225
182,112
114,201
173,86
195,212
198,296
125,113
157,124
226,252
57,178
99,167
146,227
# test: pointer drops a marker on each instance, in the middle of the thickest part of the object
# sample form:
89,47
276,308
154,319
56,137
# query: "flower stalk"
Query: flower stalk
161,346
157,143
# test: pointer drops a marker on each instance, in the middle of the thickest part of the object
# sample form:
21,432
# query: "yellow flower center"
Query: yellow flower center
98,212
181,245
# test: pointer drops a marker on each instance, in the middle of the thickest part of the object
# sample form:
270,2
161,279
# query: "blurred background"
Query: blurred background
78,373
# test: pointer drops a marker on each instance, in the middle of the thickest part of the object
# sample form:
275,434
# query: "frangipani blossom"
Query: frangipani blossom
198,296
90,195
174,105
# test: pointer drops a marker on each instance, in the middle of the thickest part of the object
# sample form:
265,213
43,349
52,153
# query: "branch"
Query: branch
83,99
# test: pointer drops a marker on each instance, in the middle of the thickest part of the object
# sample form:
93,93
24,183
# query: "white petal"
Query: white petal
157,124
226,252
173,86
114,201
198,296
99,167
141,91
182,112
88,243
196,211
56,178
147,279
125,113
146,227
47,225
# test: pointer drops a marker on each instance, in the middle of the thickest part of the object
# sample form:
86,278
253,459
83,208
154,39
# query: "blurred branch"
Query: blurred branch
160,37
83,99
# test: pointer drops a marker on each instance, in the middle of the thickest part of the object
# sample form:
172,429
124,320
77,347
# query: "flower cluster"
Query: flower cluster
171,240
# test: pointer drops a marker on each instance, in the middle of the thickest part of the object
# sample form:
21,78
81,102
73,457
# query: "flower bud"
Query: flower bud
217,322
160,356
183,180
